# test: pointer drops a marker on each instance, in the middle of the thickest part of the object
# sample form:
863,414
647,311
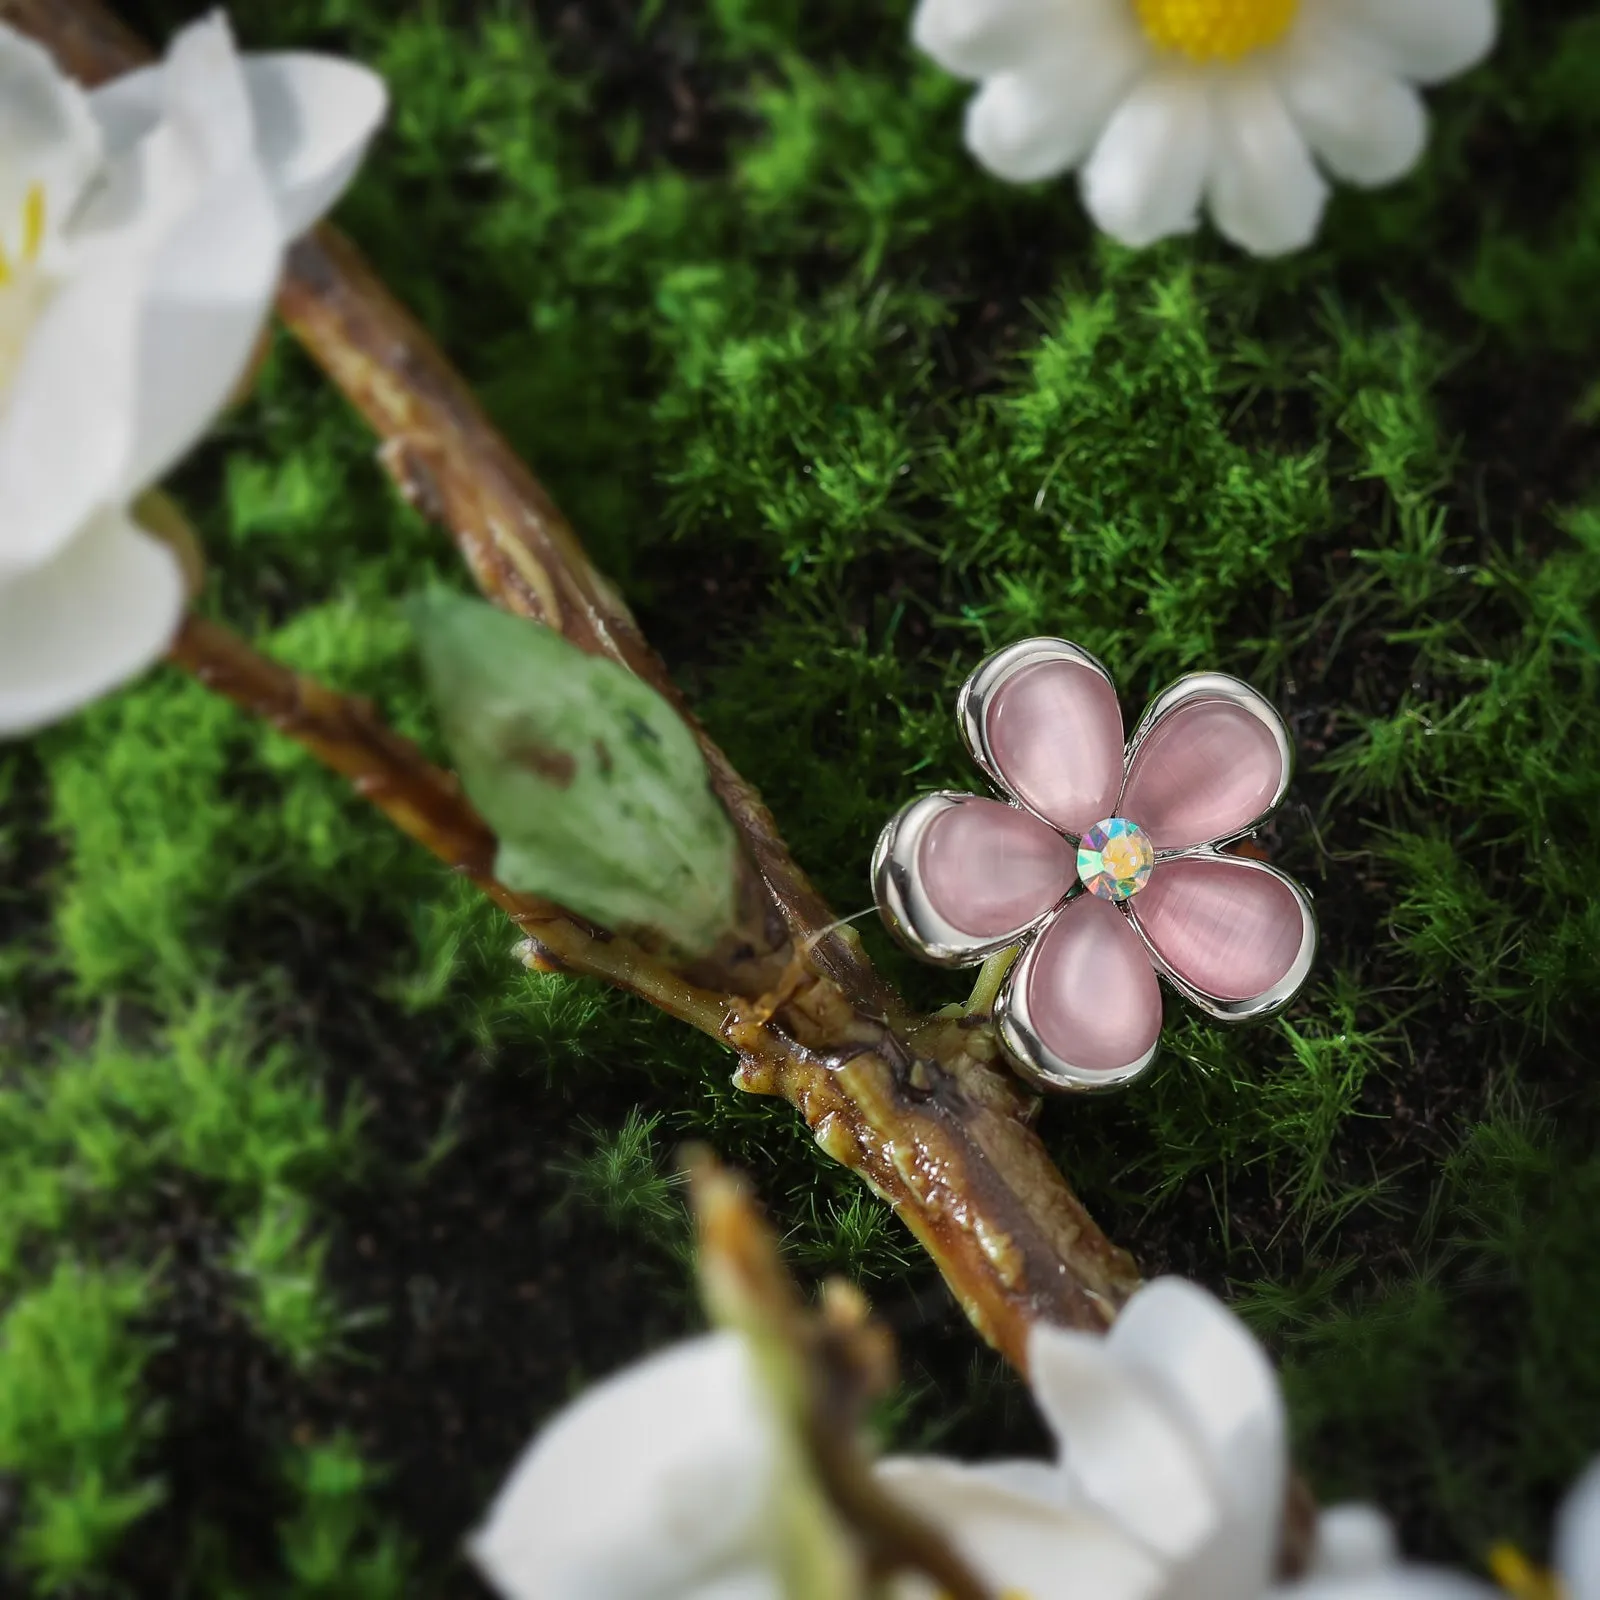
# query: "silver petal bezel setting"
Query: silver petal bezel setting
1269,1001
988,678
1196,688
904,905
1032,1057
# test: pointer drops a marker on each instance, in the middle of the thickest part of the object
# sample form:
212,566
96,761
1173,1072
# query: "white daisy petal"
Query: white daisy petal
1426,40
1577,1539
1041,119
1264,189
96,615
972,38
1353,1540
1121,1442
1017,1544
1366,125
1219,1383
652,1484
48,136
1144,177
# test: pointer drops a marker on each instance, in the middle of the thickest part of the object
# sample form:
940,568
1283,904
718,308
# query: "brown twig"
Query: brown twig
448,461
427,805
931,1127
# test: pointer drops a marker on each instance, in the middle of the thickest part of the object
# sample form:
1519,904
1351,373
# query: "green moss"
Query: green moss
72,1419
334,1544
95,1146
1495,1340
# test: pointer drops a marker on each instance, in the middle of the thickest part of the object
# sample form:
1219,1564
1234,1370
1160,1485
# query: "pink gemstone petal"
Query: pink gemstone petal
1232,930
990,869
1205,771
1092,995
1055,734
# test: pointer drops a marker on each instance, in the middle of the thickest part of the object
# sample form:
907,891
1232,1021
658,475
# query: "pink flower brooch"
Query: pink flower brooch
1104,864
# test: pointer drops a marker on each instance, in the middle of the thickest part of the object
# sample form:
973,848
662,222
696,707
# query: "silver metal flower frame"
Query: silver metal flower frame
914,921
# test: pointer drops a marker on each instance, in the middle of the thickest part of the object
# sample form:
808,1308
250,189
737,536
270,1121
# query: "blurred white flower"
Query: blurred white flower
1577,1540
1171,1473
1163,104
1373,1575
1171,1477
142,233
675,1480
660,1483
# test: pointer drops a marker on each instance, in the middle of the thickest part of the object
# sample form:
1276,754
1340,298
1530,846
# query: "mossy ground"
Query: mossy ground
312,1203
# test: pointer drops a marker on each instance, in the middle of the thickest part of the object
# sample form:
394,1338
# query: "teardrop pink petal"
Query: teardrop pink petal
1229,929
1205,771
1055,734
990,869
1092,995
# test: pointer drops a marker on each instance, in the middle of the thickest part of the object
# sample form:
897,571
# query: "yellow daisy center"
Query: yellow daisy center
1215,30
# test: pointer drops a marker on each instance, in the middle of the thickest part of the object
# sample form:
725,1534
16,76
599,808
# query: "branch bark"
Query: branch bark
427,804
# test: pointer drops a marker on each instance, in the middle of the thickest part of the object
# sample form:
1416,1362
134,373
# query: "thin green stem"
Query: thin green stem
990,976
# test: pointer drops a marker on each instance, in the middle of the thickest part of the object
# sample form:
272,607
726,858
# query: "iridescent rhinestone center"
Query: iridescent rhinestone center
1115,858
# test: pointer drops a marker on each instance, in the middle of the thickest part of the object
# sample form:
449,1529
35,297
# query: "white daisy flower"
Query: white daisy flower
1165,104
142,233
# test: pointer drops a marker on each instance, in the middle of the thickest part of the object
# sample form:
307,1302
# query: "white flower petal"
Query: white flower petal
1042,1481
1121,1442
653,1484
152,171
1353,1540
1042,118
1220,1385
1392,1583
209,286
750,1583
1264,190
1366,125
96,615
1577,1538
1425,40
67,425
1143,180
1018,1544
313,117
973,38
48,136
